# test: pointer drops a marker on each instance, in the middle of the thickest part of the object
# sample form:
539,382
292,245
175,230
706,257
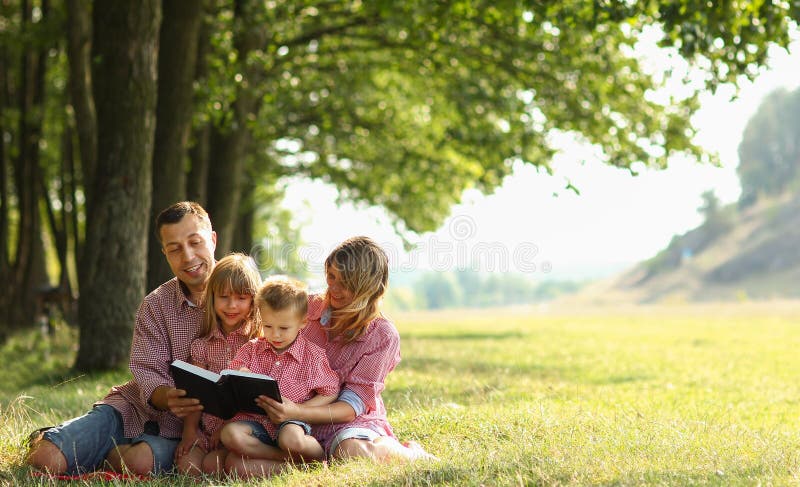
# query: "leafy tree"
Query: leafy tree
399,104
769,154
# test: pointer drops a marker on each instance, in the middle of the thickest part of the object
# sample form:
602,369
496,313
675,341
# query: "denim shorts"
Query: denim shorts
259,432
87,440
306,427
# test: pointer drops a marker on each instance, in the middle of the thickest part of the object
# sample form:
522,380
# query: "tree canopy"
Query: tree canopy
769,154
398,104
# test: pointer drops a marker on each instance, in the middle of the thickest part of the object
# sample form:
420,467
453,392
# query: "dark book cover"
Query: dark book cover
224,394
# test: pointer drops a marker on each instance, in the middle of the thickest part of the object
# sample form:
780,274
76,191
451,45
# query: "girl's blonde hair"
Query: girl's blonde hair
235,273
364,269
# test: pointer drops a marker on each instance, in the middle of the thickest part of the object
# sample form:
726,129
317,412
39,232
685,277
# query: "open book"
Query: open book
226,393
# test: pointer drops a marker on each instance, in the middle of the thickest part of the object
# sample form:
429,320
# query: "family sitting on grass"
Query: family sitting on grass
330,353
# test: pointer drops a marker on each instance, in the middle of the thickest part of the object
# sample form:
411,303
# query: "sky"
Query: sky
532,225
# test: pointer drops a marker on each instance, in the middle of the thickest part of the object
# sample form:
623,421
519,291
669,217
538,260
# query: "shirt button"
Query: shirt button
278,362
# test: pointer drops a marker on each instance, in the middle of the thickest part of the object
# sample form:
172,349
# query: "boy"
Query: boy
259,447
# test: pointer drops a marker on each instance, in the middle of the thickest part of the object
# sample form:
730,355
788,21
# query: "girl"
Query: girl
362,347
257,446
229,322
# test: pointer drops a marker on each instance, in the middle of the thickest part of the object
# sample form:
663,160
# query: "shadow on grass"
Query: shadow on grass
33,361
485,369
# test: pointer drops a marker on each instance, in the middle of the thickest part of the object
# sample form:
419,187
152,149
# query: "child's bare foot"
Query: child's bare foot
409,450
419,452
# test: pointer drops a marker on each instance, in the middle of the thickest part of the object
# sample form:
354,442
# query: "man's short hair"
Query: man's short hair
176,212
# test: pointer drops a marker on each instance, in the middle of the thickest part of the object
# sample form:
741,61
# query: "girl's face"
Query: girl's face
232,309
339,294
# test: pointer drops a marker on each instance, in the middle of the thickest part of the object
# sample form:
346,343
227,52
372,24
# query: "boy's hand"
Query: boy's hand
279,412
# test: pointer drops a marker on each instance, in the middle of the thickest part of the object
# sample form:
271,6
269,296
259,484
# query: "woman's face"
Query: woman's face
339,294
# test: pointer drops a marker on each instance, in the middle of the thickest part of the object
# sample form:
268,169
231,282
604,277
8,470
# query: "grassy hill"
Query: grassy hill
740,254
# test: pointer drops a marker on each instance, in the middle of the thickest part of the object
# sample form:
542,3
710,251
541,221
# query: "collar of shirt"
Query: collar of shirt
295,350
180,294
317,311
216,333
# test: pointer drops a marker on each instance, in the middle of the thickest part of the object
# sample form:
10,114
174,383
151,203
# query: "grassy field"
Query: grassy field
687,395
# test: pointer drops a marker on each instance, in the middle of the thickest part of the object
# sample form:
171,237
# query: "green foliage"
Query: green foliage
769,154
652,396
406,105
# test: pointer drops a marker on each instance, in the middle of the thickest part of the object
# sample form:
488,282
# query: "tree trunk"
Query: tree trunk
176,70
243,234
29,272
228,143
197,179
79,35
4,168
225,181
125,50
5,211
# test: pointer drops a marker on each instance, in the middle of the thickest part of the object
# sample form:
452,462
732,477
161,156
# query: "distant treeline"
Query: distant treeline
472,289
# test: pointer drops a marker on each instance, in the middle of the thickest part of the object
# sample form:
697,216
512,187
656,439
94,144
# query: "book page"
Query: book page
242,373
206,374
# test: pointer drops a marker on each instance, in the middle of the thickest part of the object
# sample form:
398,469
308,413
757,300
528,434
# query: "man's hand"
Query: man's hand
169,398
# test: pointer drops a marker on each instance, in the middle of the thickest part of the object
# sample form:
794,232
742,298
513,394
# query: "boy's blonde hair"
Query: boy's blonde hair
235,273
280,292
364,268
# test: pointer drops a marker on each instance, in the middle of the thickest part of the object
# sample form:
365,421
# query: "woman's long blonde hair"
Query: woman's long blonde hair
364,268
235,273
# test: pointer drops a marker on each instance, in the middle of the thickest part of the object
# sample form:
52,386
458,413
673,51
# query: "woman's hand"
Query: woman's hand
279,412
179,405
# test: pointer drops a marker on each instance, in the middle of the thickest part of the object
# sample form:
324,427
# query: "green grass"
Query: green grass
691,395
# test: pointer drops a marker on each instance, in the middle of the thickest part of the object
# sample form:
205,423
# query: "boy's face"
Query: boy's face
189,248
280,328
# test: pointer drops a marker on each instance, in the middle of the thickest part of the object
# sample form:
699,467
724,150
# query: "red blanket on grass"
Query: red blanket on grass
102,475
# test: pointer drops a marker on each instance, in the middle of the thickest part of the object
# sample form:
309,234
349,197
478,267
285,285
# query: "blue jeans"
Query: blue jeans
86,441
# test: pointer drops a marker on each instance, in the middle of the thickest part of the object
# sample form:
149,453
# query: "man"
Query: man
137,426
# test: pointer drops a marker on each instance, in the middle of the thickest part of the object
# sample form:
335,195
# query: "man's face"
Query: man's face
189,248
